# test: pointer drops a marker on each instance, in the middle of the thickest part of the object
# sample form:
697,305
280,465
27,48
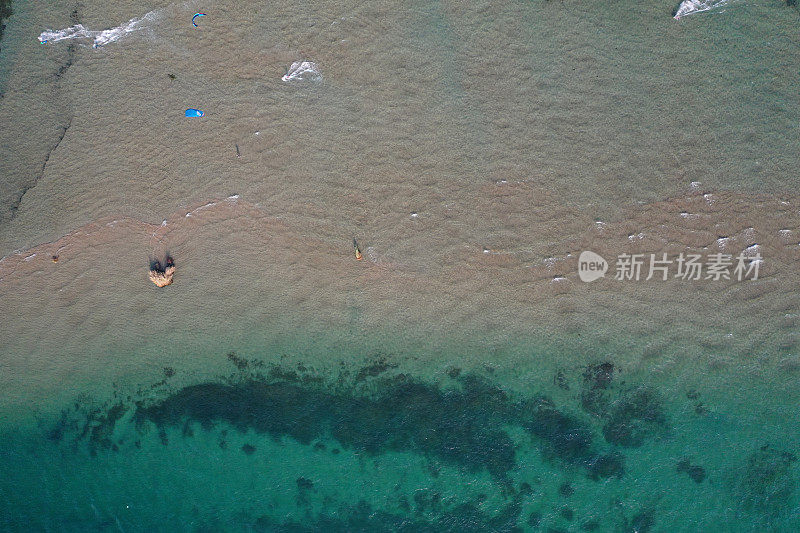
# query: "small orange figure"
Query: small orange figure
359,257
55,259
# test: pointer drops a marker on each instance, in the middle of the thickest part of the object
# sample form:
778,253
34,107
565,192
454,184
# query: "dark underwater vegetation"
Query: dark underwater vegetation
465,422
5,12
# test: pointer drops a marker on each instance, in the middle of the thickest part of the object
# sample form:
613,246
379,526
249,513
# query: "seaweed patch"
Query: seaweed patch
564,436
641,522
377,367
634,417
5,12
407,416
467,423
597,381
97,429
767,483
696,472
463,426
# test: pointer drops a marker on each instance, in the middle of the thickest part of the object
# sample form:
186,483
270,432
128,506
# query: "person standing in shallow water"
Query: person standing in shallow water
162,276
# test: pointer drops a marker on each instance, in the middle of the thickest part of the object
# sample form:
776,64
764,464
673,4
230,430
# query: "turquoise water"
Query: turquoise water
272,447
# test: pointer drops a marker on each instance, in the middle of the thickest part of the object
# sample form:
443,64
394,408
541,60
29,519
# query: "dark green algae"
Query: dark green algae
465,421
5,13
463,426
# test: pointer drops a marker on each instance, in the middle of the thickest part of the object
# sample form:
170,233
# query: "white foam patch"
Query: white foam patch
372,255
692,7
100,38
752,250
550,262
303,70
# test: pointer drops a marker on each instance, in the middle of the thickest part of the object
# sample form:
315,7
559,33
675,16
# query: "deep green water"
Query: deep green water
269,447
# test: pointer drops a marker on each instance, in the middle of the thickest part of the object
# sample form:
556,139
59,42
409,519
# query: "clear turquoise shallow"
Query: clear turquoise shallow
276,447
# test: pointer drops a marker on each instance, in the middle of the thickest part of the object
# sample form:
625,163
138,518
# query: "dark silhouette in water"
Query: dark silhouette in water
155,264
696,472
467,424
767,483
407,416
635,416
5,12
160,274
463,427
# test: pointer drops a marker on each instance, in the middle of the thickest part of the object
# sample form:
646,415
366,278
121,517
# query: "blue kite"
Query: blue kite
195,16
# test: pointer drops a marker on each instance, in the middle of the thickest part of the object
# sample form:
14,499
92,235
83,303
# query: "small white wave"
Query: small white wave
550,261
752,250
692,7
100,38
303,70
